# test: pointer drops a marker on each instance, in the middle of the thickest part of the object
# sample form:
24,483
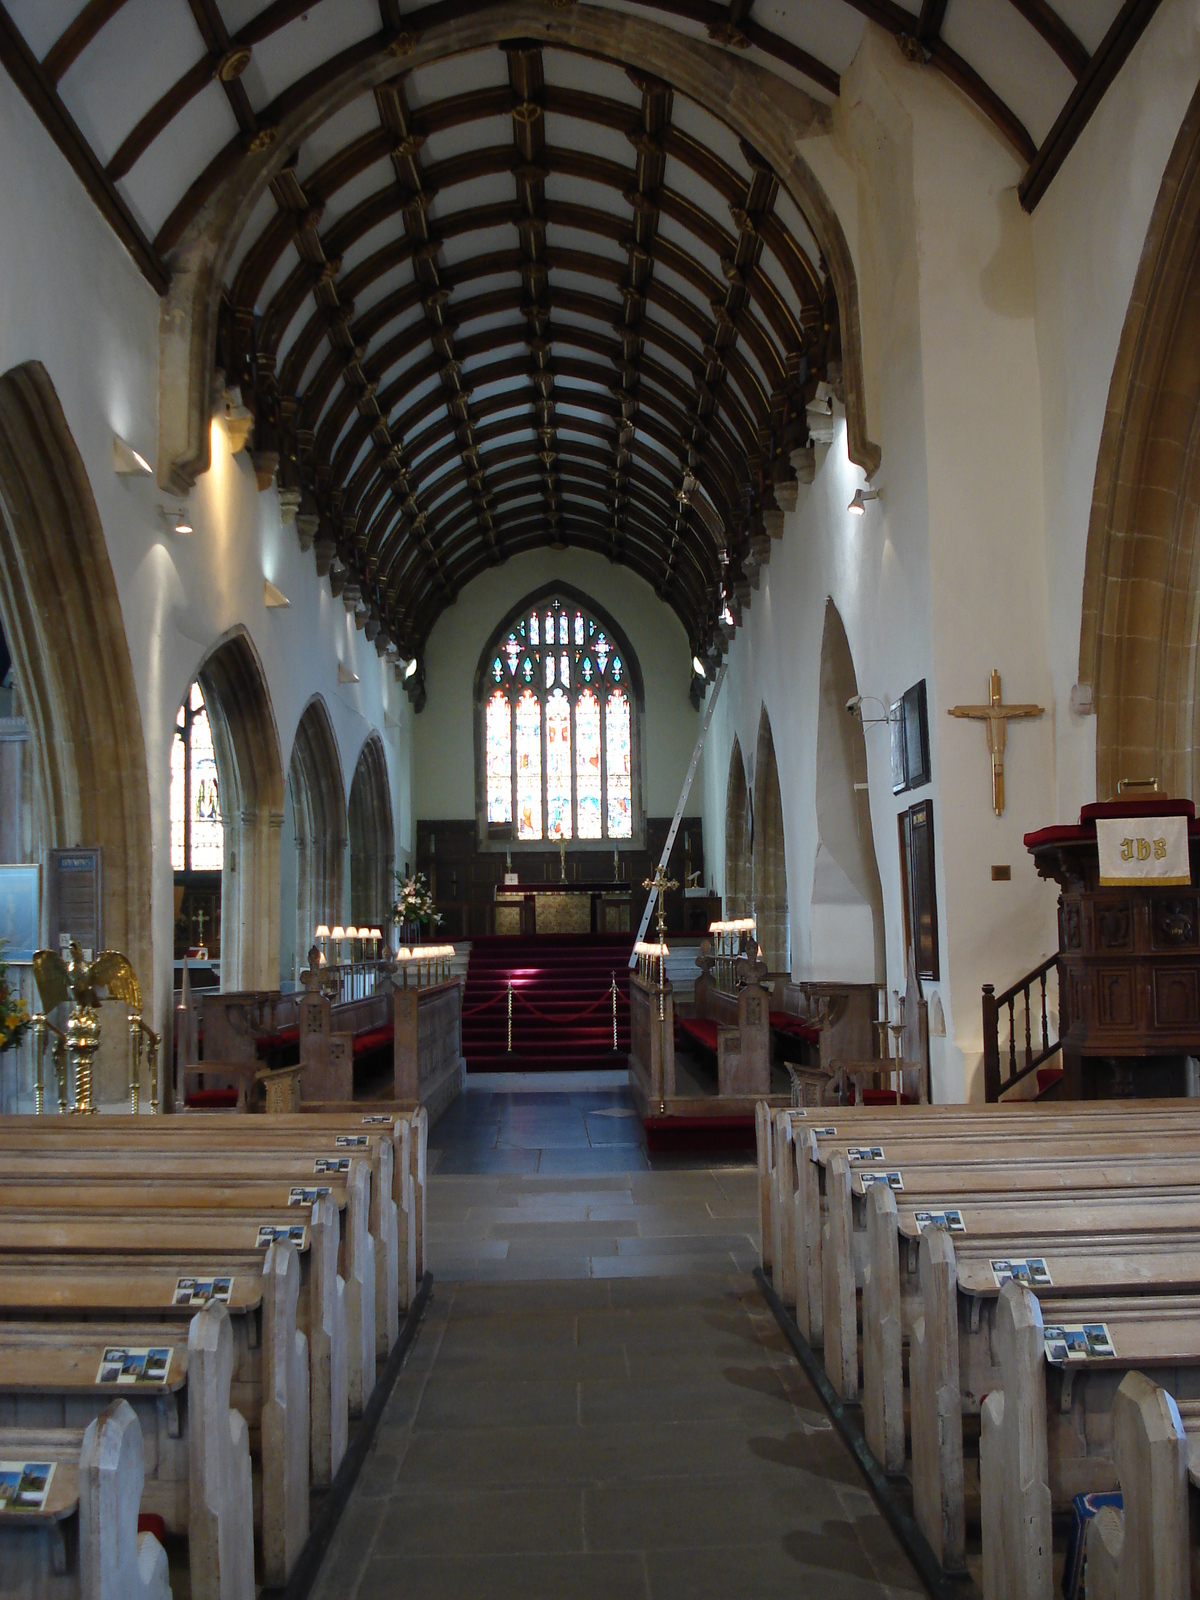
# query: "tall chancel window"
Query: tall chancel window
197,835
559,700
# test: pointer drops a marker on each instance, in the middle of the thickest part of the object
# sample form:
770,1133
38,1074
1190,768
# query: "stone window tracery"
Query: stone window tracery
558,713
197,832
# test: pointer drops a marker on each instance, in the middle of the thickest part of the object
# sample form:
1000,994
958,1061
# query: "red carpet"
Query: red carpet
562,1002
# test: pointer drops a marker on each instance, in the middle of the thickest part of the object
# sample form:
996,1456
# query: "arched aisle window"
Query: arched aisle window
559,700
197,830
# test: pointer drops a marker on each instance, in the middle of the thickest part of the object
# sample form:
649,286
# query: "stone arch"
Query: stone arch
769,854
250,772
62,619
1141,594
846,916
774,115
372,835
318,799
739,881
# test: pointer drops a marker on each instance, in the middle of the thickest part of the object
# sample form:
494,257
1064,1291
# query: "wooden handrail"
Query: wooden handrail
994,1084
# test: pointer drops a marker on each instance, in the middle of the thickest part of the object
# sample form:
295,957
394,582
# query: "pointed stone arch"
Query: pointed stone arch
318,799
372,838
739,878
250,777
62,619
846,909
769,854
1141,593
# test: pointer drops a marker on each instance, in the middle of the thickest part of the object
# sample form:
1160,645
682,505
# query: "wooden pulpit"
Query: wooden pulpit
1129,958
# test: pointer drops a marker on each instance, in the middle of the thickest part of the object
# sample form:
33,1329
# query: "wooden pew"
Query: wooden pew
83,1541
735,1026
197,1447
257,1199
270,1376
197,1243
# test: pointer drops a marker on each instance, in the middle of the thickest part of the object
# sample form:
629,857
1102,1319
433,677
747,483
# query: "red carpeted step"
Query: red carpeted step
561,1002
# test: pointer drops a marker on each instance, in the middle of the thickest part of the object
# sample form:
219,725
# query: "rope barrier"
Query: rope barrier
473,1011
543,1016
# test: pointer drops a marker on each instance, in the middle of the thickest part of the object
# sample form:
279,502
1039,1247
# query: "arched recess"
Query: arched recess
317,792
372,851
769,856
62,619
1141,594
250,771
739,885
846,918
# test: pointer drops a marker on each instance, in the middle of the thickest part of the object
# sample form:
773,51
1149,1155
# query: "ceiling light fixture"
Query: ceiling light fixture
858,505
410,668
176,519
128,462
698,667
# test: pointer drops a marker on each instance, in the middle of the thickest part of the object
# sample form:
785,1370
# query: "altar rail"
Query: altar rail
1031,990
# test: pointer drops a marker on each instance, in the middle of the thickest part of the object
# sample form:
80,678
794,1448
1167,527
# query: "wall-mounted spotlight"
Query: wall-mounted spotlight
274,599
698,667
346,674
177,519
128,462
859,504
855,704
411,668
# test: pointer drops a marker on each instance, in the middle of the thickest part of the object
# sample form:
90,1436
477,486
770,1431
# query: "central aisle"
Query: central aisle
599,1404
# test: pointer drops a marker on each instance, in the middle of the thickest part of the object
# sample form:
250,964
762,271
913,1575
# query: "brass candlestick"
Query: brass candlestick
135,1062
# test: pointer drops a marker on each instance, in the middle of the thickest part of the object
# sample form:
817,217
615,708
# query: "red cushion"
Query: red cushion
701,1030
281,1036
885,1097
1149,805
211,1099
151,1522
374,1040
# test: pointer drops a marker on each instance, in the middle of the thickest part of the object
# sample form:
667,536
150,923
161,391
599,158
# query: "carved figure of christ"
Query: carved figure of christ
995,715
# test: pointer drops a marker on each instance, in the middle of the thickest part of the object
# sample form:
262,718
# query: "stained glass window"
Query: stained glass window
617,758
587,765
498,738
558,729
197,832
558,766
529,766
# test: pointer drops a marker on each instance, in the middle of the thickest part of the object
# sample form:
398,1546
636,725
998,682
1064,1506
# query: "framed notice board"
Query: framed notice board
918,887
909,720
73,897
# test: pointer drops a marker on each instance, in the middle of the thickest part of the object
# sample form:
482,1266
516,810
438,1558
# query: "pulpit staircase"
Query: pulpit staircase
1020,1036
562,1012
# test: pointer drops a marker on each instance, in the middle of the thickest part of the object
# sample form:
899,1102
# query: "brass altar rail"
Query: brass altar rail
994,1084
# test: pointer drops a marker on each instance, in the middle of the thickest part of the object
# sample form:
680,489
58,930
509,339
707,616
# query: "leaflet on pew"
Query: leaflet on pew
24,1485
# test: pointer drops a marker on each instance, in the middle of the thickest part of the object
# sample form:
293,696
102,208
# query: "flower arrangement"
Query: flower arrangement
14,1013
414,907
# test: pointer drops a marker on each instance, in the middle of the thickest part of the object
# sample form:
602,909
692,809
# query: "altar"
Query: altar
562,908
1129,953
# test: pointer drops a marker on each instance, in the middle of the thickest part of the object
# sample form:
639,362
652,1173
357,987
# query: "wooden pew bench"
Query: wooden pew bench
196,1245
79,1539
195,1444
269,1380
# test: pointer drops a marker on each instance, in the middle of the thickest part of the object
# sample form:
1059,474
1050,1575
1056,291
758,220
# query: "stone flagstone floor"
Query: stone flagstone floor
599,1403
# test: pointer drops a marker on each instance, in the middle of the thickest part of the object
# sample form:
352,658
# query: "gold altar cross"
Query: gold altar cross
996,715
659,884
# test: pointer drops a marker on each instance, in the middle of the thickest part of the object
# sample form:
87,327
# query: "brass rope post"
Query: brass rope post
614,1001
510,1016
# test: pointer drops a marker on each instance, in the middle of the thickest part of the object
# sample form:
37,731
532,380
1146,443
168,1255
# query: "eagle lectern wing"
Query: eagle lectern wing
112,971
50,974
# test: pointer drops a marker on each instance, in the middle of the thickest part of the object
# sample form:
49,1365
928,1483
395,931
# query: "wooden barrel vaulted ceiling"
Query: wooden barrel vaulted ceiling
521,293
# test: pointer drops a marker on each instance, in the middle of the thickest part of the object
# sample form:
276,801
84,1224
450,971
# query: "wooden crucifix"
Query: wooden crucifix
996,715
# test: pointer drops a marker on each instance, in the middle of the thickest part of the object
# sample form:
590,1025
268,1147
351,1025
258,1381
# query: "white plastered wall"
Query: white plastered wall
943,578
444,749
1088,234
71,298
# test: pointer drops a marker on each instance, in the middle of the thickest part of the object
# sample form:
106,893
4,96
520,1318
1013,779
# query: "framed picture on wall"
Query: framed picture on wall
918,887
909,719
